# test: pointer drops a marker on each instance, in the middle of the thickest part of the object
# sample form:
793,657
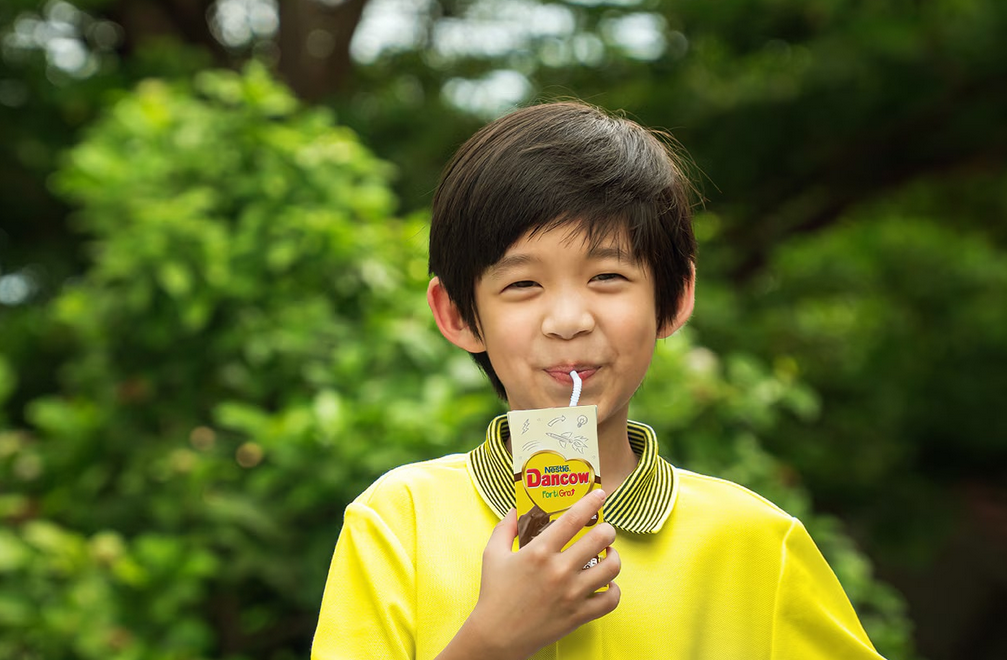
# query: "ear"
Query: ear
449,319
686,303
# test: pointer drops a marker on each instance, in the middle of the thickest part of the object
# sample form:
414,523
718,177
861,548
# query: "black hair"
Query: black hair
552,164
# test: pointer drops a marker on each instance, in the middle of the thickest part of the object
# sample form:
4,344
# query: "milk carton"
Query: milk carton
556,463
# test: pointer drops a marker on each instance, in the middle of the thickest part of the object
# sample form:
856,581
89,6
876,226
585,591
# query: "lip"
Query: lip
561,373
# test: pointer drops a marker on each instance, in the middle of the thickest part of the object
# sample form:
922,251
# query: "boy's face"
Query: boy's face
553,304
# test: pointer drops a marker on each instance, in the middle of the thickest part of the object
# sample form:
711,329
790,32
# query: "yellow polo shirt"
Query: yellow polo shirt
710,570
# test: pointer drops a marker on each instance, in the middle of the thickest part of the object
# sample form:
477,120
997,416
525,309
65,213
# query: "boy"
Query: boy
561,240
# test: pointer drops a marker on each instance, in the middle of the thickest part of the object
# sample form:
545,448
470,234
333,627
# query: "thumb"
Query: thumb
502,538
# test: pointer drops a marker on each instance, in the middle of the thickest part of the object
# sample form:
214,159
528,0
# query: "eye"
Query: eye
606,277
522,284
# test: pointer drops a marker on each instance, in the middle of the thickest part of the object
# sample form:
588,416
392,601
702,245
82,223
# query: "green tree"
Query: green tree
237,356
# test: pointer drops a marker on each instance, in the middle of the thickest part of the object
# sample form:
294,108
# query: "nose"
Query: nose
567,317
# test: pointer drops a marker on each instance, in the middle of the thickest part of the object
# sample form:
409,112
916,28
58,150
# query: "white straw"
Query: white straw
575,397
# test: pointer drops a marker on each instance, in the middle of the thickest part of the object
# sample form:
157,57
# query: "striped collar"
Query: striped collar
640,505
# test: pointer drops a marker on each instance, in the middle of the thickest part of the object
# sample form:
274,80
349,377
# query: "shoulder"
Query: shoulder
420,505
415,479
395,503
703,495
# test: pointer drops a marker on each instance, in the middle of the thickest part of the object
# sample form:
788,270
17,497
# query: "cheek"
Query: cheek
634,336
508,338
637,322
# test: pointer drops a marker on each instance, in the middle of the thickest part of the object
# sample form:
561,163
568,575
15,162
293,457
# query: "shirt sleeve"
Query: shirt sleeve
368,609
813,618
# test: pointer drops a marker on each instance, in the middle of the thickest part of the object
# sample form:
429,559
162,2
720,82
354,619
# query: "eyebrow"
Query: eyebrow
510,261
610,252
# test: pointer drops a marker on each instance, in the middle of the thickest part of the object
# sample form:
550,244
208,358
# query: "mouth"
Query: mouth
561,373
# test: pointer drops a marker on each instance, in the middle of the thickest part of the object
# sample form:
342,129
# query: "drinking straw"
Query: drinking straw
575,397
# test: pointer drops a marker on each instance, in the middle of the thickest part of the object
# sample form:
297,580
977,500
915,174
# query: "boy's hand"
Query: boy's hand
531,598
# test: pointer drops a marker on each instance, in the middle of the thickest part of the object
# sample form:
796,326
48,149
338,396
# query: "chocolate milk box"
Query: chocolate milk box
555,464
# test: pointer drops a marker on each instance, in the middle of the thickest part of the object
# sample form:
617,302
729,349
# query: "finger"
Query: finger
502,538
559,533
591,545
601,603
594,578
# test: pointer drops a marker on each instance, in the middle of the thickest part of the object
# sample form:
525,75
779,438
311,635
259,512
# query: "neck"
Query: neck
617,457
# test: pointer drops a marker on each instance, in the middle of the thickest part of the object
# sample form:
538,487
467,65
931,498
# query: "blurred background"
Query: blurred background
213,332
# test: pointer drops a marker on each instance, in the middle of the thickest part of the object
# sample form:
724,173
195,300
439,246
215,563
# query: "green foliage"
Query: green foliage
240,352
248,348
66,594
